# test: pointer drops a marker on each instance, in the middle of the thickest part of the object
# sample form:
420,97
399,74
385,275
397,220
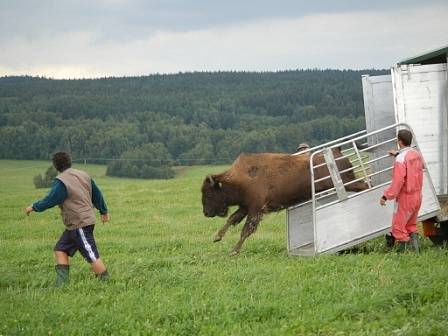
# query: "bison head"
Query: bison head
213,198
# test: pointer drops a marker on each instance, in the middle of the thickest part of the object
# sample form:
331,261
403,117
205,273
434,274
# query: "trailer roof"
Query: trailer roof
432,57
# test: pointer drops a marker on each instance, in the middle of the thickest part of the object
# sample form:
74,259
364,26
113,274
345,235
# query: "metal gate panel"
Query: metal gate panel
379,113
346,224
300,232
329,223
378,103
349,223
421,101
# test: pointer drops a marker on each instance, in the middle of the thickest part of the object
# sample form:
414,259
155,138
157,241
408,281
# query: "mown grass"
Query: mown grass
168,278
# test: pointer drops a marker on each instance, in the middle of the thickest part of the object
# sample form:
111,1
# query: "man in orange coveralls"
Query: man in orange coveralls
406,190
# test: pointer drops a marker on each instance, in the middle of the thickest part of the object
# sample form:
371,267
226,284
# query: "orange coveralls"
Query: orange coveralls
406,189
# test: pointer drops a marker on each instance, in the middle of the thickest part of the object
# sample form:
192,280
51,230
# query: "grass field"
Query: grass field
168,278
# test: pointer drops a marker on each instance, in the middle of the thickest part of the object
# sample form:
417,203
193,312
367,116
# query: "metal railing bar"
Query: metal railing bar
378,159
325,191
322,179
395,126
325,196
331,142
377,145
369,175
354,195
362,165
336,159
340,172
356,180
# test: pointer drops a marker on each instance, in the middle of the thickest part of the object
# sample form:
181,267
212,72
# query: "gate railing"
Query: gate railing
352,216
364,168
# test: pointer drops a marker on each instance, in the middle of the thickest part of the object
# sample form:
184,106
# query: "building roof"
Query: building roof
432,57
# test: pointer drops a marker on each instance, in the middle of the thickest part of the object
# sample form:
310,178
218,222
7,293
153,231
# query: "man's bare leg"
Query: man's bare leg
61,258
100,269
98,266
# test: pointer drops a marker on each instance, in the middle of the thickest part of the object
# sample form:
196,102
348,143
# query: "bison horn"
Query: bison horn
212,182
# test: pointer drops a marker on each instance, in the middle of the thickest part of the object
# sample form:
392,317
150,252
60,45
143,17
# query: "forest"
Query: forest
141,126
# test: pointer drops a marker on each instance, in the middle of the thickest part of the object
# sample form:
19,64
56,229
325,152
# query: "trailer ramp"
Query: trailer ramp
334,219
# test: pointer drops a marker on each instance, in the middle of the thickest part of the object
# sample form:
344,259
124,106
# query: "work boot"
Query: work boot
390,241
103,276
401,246
414,242
62,275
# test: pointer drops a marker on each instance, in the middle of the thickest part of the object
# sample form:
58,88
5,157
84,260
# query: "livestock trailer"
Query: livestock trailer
335,219
416,93
413,96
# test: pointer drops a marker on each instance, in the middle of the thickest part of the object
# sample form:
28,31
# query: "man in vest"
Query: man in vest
77,195
406,190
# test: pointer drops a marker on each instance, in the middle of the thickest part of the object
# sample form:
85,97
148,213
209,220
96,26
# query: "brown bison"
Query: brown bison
263,183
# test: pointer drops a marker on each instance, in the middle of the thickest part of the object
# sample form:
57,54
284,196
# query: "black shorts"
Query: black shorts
81,240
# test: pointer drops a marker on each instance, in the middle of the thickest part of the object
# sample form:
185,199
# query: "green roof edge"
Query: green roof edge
425,56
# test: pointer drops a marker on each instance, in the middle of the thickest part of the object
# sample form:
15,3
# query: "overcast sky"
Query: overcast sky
97,38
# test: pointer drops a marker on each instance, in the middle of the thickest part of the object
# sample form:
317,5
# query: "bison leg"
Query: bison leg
234,219
250,226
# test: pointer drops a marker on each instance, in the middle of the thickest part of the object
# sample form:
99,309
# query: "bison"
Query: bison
263,183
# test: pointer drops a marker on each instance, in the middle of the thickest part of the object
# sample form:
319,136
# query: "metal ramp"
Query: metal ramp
335,219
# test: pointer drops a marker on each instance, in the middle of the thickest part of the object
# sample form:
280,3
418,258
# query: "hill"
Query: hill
186,118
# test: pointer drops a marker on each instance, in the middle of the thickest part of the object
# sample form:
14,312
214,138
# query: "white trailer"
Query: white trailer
414,96
416,93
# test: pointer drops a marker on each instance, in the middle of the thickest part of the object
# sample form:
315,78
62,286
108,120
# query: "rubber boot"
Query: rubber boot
414,242
390,241
400,246
62,275
103,276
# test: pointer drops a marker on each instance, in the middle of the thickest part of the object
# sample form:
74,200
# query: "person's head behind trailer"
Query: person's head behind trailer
405,137
303,147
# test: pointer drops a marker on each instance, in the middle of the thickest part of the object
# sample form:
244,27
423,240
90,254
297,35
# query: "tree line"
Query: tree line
153,122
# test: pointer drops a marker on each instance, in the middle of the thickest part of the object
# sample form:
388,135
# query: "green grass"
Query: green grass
168,278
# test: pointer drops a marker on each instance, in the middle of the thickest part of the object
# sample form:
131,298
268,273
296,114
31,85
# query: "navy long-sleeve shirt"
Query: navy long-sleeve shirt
58,194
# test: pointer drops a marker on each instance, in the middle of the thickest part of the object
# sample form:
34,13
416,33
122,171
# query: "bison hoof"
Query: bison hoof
217,238
233,253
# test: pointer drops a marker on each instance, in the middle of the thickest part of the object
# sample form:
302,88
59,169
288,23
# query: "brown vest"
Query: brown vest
77,210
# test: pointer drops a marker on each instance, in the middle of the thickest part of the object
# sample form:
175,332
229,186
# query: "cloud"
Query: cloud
362,39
